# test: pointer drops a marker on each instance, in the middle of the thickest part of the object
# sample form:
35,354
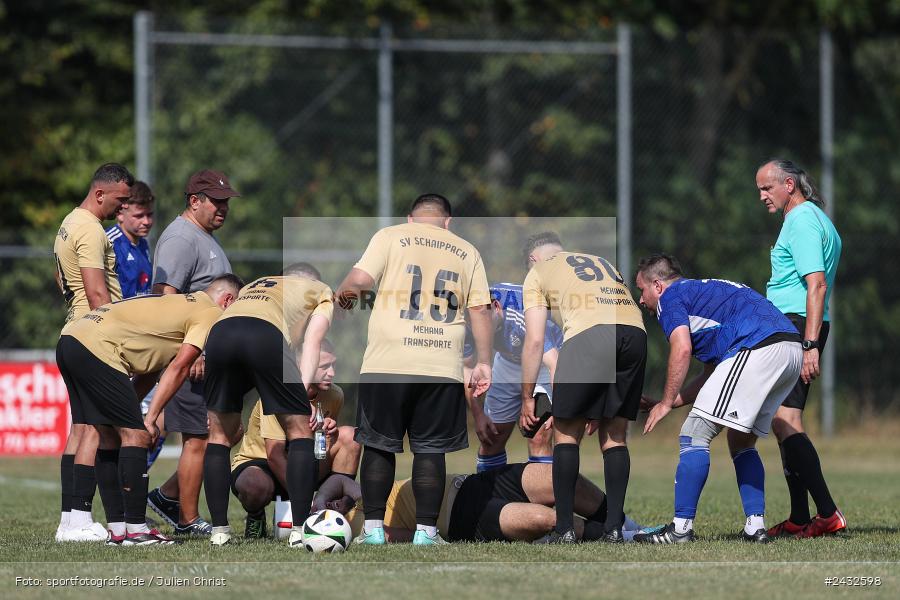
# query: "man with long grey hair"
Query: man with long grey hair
804,263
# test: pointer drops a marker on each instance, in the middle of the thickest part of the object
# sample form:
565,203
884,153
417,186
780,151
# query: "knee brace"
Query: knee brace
698,432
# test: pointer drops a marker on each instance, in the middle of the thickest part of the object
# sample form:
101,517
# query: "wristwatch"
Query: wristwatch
810,344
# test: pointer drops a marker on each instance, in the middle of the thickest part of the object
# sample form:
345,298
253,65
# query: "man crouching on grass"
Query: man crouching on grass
140,337
259,468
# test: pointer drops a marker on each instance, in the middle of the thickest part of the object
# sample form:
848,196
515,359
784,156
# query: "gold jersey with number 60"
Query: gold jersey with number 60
427,277
581,290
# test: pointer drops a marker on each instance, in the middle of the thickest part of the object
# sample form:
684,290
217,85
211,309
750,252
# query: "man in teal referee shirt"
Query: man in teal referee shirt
804,263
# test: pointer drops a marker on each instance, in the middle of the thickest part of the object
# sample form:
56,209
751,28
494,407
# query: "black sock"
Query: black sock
593,530
599,514
804,460
84,484
566,461
216,482
616,470
66,474
428,474
302,470
376,477
107,470
134,481
797,491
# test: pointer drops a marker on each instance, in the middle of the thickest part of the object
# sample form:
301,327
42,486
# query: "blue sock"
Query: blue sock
751,479
690,477
492,461
547,460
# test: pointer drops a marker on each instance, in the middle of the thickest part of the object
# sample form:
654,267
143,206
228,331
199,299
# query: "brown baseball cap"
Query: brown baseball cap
212,183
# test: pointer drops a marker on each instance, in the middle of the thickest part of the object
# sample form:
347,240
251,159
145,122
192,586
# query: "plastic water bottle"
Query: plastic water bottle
319,446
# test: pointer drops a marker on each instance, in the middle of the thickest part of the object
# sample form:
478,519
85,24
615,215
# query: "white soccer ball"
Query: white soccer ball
326,531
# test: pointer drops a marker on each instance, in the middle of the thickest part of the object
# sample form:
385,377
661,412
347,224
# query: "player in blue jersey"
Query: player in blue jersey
129,240
752,358
804,265
503,402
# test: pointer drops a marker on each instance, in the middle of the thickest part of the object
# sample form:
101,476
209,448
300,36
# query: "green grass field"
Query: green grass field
862,468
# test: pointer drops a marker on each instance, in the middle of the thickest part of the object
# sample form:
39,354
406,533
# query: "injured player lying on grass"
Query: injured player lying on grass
511,503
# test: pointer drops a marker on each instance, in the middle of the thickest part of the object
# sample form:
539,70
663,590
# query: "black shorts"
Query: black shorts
243,353
431,410
797,396
577,394
186,411
264,465
475,515
98,393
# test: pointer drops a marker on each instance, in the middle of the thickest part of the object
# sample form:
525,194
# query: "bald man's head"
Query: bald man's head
224,289
433,209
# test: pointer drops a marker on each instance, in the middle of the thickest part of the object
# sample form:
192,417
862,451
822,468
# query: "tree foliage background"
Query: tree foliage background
718,87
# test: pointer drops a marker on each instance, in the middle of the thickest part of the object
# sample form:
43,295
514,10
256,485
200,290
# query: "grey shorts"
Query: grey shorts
186,411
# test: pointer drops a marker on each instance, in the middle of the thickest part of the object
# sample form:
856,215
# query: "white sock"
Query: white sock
117,528
227,529
64,520
630,524
754,523
371,524
430,530
80,518
683,525
137,528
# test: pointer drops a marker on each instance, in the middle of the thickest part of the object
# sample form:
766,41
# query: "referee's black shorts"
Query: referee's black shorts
98,393
430,410
243,353
475,515
796,398
577,393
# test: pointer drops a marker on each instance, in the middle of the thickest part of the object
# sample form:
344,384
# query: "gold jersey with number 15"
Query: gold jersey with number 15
427,277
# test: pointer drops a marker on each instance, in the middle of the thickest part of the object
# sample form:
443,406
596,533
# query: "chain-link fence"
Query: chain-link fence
515,126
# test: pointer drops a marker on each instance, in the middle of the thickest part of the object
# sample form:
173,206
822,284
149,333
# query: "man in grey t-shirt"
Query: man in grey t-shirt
188,258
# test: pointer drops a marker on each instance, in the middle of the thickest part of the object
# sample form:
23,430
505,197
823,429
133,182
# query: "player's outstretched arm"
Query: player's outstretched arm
680,351
171,380
338,492
479,318
532,355
316,330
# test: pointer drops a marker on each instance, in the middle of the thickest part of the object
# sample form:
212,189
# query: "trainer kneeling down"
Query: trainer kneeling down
136,337
259,468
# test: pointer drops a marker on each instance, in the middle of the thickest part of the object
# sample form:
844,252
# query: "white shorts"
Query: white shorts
745,390
503,403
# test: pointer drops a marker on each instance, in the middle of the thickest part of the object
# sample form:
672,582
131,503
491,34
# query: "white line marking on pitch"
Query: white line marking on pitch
37,484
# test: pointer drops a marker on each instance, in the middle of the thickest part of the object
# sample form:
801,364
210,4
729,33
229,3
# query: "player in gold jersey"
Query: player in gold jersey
253,345
411,380
259,469
599,375
96,355
86,274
